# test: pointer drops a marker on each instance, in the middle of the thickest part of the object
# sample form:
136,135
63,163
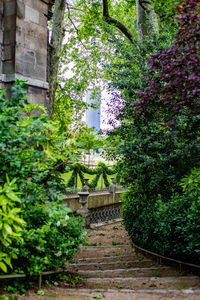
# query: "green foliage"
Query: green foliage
87,139
31,149
69,107
10,222
166,11
34,152
155,155
170,228
50,238
79,169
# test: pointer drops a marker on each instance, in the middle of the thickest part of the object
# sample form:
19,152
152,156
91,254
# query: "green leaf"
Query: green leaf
3,200
3,266
8,228
8,261
13,197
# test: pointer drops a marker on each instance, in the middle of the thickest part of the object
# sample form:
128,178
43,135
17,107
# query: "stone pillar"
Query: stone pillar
112,188
1,36
83,200
23,32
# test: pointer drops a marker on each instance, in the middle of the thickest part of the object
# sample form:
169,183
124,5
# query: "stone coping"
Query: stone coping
30,81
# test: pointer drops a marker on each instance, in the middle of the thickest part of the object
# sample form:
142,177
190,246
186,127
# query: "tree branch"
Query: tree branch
108,19
69,17
142,2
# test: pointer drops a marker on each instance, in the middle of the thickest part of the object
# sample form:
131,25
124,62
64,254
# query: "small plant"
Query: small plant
10,222
71,279
114,243
40,293
119,285
98,297
90,244
5,297
50,238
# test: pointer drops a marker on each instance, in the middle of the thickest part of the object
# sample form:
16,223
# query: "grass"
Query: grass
67,176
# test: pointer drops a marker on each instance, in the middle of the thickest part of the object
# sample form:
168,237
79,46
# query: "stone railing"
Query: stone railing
83,203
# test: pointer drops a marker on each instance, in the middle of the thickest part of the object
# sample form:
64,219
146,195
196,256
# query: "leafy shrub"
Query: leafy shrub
34,153
170,228
159,145
10,222
31,150
50,238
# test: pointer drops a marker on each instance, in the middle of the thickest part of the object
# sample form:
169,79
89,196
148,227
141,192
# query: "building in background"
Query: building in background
93,115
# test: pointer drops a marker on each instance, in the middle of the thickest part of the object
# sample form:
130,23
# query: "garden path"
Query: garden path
111,269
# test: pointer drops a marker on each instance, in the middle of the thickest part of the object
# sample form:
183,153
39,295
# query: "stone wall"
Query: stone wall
1,37
95,200
23,38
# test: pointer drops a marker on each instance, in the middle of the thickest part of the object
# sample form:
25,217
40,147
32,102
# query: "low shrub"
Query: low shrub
50,238
34,153
10,223
169,228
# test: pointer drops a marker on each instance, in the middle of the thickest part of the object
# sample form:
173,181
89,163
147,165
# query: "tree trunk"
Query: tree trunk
147,23
55,49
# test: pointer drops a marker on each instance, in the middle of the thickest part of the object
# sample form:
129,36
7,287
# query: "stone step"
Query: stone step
113,264
117,264
139,283
117,239
140,294
130,272
106,259
103,251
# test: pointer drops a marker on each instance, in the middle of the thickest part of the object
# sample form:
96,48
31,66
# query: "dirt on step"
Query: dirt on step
63,294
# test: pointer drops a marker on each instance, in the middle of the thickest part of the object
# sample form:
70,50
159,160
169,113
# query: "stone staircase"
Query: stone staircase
109,263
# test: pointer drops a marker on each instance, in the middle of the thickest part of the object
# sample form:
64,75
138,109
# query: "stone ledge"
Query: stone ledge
45,1
30,81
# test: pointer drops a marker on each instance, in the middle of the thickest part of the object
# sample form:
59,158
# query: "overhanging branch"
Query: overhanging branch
108,19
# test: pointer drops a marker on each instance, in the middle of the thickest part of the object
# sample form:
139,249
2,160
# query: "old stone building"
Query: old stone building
23,45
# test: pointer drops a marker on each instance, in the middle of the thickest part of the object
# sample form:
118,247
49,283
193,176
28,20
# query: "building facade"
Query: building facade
24,46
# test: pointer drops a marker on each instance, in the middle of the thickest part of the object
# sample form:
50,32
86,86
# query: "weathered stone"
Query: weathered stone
10,9
20,10
31,15
43,20
9,23
1,34
8,37
23,34
8,67
32,29
38,5
8,52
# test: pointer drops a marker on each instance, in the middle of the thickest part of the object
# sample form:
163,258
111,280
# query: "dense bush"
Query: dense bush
159,144
31,150
170,228
40,233
10,222
50,238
